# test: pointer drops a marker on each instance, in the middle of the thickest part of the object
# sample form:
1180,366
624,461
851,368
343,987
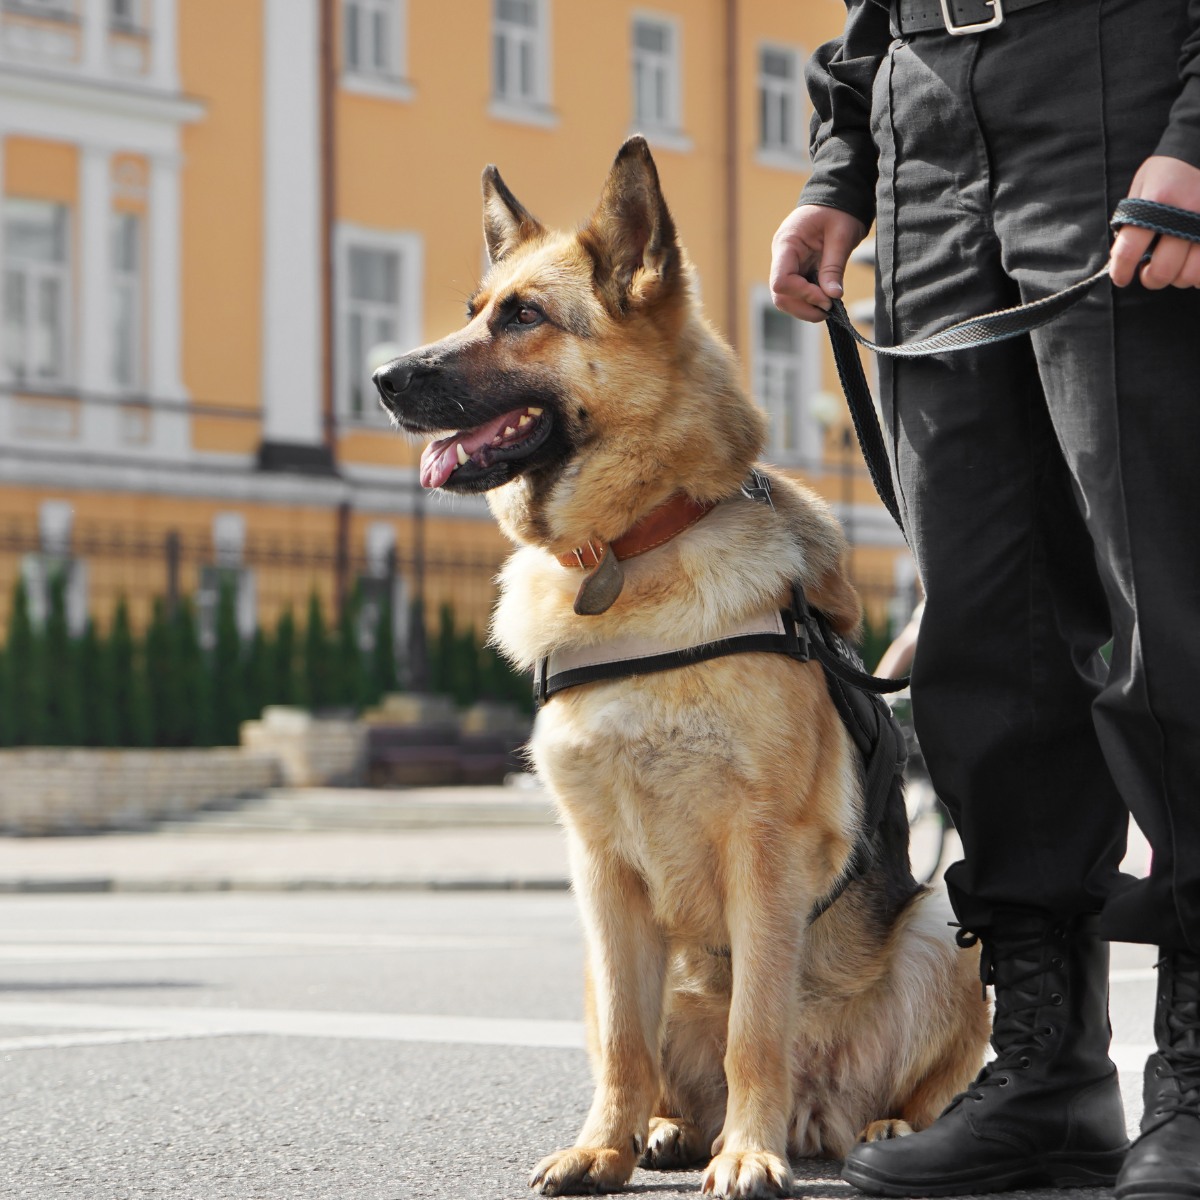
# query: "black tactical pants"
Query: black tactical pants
1051,484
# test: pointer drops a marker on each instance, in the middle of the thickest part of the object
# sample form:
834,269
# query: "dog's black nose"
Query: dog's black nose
392,379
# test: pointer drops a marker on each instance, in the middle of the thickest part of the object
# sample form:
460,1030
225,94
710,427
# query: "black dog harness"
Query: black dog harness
801,633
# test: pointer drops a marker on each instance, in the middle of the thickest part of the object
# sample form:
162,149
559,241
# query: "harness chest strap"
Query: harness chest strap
801,634
622,658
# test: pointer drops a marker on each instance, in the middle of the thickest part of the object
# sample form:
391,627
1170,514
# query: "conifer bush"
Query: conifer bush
162,687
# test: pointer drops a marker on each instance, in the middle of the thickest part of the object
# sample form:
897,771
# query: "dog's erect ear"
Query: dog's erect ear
506,221
631,236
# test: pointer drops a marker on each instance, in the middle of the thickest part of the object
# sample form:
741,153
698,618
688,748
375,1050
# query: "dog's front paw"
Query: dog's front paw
747,1173
674,1143
881,1131
583,1170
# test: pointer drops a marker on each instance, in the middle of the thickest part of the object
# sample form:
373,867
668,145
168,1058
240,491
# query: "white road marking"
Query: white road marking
235,937
1130,1057
212,1022
95,945
99,1037
1132,975
100,953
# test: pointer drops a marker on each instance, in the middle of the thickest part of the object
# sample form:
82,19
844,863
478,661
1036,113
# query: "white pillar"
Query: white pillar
292,334
164,54
164,284
3,366
6,418
95,37
93,370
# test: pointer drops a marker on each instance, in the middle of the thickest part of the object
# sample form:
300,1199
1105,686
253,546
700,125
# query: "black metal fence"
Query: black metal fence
105,564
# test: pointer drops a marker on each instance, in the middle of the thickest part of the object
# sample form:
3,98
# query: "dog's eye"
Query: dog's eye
526,315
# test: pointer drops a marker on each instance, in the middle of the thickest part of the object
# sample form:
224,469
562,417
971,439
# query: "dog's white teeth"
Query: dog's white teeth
522,423
534,412
462,455
508,432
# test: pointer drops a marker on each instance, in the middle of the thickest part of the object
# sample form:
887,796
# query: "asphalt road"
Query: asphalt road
342,1046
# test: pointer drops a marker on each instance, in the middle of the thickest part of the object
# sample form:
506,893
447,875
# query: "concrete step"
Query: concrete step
310,809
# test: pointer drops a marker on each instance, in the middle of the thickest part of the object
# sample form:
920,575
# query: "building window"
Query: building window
786,377
378,303
781,105
37,289
656,74
373,30
127,301
520,53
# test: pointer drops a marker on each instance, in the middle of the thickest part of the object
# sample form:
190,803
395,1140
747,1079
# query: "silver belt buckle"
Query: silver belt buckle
997,18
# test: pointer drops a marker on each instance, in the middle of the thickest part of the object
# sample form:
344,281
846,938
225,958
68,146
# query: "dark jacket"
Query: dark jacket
840,77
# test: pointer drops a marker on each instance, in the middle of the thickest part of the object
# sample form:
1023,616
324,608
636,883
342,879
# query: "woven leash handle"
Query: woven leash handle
985,330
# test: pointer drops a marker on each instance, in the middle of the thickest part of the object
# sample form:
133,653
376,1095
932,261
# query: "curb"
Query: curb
101,884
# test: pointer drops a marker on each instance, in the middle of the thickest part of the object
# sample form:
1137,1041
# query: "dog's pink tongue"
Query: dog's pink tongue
439,460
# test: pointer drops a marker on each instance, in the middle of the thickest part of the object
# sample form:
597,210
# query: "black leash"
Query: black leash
972,333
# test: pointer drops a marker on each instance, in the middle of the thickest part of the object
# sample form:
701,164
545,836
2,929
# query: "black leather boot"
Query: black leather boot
1046,1112
1164,1163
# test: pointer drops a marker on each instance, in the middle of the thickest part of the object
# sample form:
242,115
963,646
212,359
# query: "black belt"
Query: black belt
955,16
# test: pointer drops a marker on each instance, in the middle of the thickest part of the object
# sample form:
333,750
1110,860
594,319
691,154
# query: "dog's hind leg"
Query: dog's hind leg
627,966
881,1131
691,1109
675,1143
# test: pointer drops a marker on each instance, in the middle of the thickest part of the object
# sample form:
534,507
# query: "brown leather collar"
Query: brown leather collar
669,519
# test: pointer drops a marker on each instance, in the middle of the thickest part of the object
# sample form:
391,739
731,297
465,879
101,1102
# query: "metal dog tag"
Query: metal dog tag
601,587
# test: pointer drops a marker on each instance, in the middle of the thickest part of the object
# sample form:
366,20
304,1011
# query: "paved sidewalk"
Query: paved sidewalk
428,838
353,839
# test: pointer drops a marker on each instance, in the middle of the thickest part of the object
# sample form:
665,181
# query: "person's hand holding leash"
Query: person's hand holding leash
1174,262
812,238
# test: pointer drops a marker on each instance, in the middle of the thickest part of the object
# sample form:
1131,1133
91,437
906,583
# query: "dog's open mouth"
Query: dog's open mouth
472,452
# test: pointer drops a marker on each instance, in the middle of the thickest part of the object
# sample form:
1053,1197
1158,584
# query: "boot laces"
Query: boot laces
1180,997
1017,1032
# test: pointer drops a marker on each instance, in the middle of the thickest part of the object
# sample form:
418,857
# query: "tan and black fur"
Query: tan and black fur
707,808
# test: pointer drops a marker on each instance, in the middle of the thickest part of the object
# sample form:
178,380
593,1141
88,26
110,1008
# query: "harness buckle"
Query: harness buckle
996,19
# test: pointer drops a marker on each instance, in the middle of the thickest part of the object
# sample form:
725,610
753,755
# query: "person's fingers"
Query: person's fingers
1127,251
840,240
785,262
1165,263
1189,276
801,298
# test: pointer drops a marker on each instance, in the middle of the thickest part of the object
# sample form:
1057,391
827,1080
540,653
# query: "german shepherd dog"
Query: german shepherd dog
707,808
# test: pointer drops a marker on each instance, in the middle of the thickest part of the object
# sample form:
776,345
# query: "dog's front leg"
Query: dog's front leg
627,969
765,935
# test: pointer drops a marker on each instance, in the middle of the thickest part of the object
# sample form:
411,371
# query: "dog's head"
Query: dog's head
585,388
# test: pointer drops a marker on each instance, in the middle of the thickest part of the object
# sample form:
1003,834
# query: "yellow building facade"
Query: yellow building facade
219,214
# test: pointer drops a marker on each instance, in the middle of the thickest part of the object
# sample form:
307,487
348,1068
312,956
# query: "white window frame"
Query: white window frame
532,108
128,282
408,312
804,368
790,154
387,79
34,272
668,126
